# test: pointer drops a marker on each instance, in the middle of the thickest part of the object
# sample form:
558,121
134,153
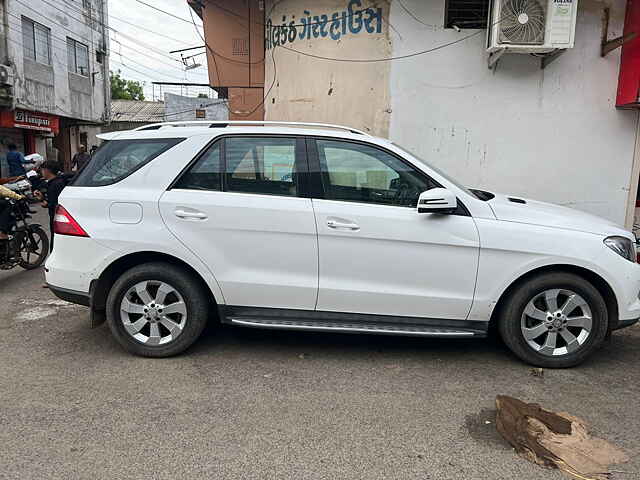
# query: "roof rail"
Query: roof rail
222,124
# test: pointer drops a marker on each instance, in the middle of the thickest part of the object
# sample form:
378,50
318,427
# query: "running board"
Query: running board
355,327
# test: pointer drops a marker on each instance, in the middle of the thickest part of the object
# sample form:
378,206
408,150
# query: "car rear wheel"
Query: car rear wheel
157,310
554,320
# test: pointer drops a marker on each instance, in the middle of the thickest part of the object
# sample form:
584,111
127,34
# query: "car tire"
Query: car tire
132,321
569,335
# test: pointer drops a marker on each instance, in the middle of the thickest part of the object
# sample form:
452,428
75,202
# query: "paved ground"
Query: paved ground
249,404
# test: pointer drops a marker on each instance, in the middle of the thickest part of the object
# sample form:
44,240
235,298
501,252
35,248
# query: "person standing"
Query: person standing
55,184
80,158
15,159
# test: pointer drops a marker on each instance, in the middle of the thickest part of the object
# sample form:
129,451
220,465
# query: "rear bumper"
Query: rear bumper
73,296
75,262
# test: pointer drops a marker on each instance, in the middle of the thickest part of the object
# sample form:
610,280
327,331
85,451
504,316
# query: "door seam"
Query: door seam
315,219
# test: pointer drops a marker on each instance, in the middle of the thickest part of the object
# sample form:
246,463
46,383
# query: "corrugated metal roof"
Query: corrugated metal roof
136,111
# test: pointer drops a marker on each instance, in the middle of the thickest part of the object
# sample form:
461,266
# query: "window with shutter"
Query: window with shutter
466,13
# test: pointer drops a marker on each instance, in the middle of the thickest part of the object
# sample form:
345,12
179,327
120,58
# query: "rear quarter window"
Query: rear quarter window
117,159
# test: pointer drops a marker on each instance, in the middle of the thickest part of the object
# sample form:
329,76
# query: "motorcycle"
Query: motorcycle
28,243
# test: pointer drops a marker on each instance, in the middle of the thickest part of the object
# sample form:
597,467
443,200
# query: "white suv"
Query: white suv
324,228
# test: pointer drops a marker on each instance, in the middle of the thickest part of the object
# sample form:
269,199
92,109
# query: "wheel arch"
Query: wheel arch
596,280
102,285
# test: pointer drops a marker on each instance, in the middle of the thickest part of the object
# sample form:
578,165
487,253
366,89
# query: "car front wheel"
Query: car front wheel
156,310
554,320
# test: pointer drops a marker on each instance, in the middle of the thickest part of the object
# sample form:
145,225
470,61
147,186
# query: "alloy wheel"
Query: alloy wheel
556,322
153,312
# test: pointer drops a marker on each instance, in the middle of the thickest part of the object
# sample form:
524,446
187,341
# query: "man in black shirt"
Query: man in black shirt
55,184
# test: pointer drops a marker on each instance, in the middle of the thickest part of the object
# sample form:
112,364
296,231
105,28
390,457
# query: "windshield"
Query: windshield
438,171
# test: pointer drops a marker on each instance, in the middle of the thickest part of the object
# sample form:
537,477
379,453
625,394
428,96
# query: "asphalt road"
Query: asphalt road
250,404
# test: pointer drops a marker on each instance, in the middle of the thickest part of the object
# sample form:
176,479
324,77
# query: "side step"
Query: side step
354,327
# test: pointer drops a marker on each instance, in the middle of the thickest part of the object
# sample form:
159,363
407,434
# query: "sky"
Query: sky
141,39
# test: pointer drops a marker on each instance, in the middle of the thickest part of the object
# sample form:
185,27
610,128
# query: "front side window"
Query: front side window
36,41
117,159
78,54
261,165
361,173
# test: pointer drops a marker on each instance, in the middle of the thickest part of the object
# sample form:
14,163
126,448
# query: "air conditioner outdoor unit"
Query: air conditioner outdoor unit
531,26
6,75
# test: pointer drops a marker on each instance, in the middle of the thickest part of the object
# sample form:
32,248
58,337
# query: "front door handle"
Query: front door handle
192,214
343,225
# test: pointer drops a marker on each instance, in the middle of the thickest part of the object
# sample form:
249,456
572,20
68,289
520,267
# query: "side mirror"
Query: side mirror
437,200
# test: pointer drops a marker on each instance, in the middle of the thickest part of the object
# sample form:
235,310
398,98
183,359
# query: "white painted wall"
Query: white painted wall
53,89
551,134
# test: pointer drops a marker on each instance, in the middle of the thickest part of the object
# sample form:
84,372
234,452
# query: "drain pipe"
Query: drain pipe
105,64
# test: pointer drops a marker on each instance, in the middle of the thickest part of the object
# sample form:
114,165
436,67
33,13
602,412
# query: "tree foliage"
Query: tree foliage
123,89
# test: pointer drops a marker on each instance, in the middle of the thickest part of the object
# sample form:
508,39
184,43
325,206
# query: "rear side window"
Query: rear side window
117,159
206,173
260,165
265,166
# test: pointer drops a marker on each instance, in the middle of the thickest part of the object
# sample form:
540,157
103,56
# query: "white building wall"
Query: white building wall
53,89
551,134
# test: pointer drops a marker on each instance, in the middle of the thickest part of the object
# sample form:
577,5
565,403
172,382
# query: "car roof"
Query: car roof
213,129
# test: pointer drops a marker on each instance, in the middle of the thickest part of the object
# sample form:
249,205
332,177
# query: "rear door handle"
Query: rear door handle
335,224
195,215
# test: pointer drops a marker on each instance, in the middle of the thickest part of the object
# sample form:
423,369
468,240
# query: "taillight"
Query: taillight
65,224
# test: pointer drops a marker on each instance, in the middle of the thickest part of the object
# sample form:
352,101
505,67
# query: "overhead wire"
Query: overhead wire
385,59
93,51
103,24
166,12
414,16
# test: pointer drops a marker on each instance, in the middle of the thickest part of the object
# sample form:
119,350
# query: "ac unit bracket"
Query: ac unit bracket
494,57
610,45
550,57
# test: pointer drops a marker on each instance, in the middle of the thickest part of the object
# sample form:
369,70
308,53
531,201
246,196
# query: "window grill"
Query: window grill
466,13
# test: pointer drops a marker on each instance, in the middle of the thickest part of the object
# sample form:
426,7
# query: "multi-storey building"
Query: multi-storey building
54,75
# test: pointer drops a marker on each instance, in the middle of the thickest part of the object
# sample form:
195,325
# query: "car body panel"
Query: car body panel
510,250
264,248
398,262
545,214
